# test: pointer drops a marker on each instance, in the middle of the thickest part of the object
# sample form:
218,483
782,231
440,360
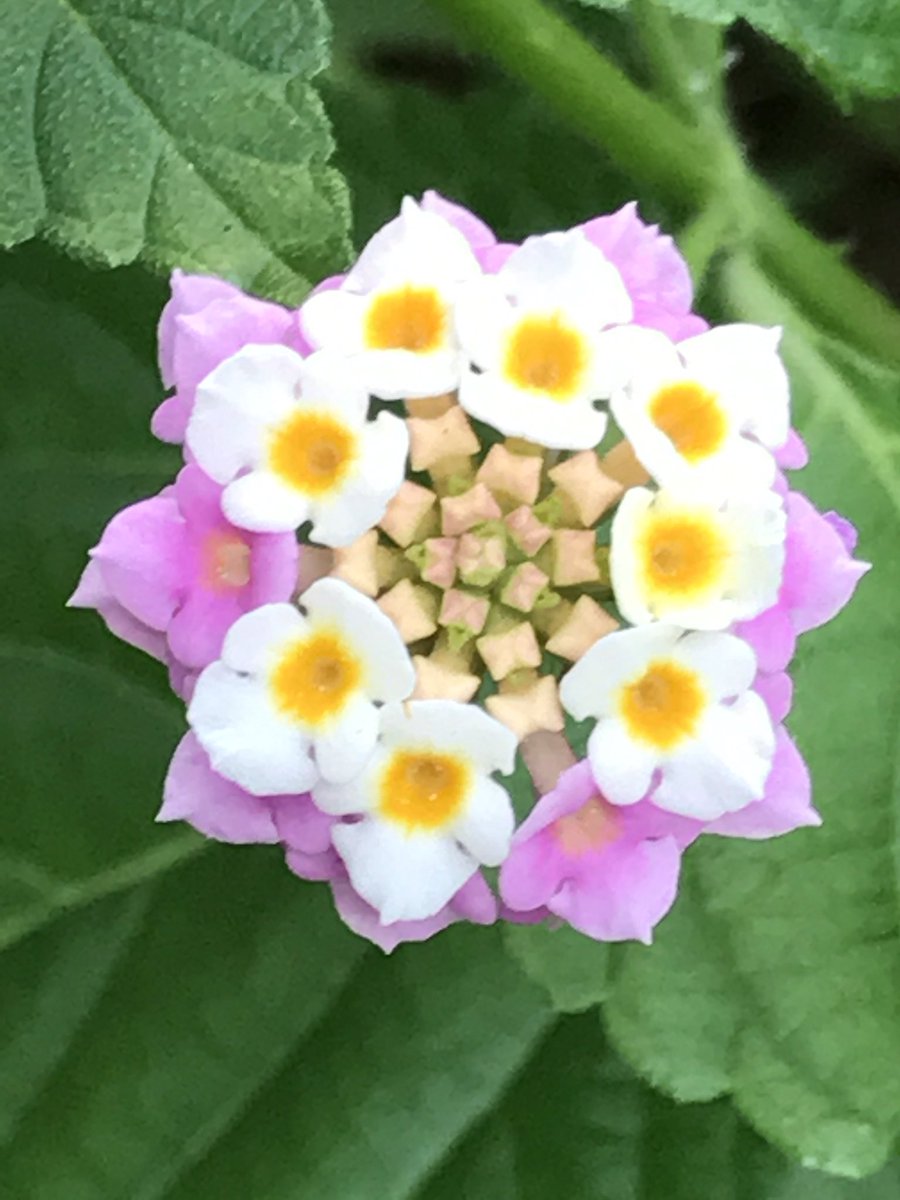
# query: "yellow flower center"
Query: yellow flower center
313,452
225,559
423,789
691,418
663,707
316,677
595,825
684,555
409,318
543,354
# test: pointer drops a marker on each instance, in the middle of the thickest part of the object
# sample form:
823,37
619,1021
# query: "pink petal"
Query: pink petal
772,637
92,592
364,920
786,805
819,575
475,901
197,630
301,825
777,691
317,868
142,553
793,455
533,872
479,235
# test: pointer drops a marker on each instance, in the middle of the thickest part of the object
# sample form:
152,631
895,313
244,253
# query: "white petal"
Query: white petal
566,269
573,425
346,517
235,405
727,664
262,503
373,636
631,354
356,795
334,320
330,380
415,246
253,639
451,725
622,767
246,738
590,687
405,876
400,374
624,563
485,827
384,445
343,750
483,315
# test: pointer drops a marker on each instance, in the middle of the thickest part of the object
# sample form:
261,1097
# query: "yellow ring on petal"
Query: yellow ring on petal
544,354
683,555
691,418
313,452
663,706
408,318
423,789
316,677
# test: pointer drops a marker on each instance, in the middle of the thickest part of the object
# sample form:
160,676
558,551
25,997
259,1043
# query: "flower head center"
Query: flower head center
225,557
595,825
316,677
423,789
408,318
544,354
313,452
663,706
684,554
691,418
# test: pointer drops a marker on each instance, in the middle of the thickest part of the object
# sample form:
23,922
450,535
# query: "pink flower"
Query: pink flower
786,805
612,873
473,902
171,575
820,576
206,321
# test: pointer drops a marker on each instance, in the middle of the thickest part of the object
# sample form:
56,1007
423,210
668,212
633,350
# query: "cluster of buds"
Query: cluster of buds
408,547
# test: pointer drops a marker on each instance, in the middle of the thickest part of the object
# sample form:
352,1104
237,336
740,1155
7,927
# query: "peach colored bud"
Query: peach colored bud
447,436
464,610
411,608
515,477
621,464
439,566
528,709
546,755
585,624
461,513
454,475
528,533
406,513
429,407
573,557
436,680
585,486
524,586
356,564
506,652
315,562
480,558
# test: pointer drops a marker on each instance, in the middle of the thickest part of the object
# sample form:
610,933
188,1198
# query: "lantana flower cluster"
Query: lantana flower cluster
473,504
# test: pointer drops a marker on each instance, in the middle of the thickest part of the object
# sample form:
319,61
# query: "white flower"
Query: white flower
704,411
393,313
430,811
533,335
291,698
685,556
289,438
677,703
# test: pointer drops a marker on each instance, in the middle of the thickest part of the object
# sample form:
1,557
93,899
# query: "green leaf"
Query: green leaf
180,134
776,975
854,45
571,967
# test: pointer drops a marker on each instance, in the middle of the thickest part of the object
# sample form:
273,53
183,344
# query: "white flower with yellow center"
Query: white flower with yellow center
704,411
292,699
678,704
688,557
533,335
290,439
393,313
430,813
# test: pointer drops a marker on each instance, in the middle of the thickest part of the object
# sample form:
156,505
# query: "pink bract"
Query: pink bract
820,576
206,321
171,575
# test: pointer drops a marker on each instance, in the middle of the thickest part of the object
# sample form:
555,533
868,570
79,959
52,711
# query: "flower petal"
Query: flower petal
622,767
486,824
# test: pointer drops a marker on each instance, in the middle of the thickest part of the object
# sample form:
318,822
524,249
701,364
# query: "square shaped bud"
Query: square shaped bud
510,651
621,464
526,531
447,436
585,624
523,587
512,477
529,707
429,407
464,611
587,488
357,564
480,558
439,561
440,679
574,558
407,513
461,513
412,609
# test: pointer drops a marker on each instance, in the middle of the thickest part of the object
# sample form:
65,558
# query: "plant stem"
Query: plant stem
662,153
